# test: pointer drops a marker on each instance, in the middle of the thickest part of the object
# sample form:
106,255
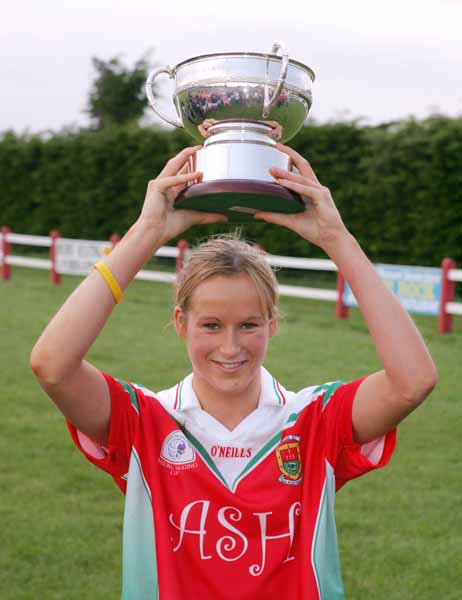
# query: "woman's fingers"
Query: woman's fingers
184,169
276,218
301,163
203,218
175,164
165,183
314,193
278,173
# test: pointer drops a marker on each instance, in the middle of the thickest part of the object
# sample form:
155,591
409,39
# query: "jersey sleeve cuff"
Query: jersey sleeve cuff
106,457
357,459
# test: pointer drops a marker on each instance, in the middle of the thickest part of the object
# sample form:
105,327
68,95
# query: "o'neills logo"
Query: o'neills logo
230,452
177,454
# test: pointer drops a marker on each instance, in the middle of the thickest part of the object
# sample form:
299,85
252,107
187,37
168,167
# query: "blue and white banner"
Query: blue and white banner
417,288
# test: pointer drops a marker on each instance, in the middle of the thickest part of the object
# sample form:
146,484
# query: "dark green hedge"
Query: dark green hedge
398,187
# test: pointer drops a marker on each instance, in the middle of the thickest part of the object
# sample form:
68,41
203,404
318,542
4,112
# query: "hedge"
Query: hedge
398,186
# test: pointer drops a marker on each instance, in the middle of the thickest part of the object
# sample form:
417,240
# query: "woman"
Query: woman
229,478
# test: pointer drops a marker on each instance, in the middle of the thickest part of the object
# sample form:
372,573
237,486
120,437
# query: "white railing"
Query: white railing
95,249
26,240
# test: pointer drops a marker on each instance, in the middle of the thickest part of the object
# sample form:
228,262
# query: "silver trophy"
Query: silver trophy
239,104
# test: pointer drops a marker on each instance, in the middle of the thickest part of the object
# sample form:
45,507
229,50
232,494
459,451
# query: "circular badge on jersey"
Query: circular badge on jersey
177,450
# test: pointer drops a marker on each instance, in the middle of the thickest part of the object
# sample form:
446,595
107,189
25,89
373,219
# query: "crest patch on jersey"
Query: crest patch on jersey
290,460
176,449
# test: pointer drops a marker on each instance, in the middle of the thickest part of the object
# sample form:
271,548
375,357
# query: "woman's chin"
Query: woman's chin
227,381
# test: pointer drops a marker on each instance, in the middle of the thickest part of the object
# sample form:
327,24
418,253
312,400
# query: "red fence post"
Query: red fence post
114,239
6,251
54,275
182,248
341,310
447,295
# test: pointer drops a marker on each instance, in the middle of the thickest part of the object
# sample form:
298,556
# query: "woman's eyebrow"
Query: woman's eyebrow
250,318
207,317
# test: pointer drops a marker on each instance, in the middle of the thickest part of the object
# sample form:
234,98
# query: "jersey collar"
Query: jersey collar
272,393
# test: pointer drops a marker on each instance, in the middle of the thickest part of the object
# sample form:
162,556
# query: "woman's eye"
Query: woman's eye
249,325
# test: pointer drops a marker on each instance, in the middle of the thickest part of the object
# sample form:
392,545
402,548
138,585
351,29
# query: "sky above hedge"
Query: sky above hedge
378,61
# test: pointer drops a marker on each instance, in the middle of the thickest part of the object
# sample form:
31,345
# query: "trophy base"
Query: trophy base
239,199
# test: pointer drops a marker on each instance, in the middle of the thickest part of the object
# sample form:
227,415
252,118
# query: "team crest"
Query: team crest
289,460
176,449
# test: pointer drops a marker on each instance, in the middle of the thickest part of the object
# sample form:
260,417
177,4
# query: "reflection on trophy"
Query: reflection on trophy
239,105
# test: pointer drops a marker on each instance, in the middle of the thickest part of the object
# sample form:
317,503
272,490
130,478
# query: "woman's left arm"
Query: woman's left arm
384,398
409,375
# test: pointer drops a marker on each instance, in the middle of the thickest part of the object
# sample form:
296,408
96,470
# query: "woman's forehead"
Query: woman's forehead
233,292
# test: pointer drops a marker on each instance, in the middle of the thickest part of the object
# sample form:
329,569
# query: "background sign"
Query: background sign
77,257
417,288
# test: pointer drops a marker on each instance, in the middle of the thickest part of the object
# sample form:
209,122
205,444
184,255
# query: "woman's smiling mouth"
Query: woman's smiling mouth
230,366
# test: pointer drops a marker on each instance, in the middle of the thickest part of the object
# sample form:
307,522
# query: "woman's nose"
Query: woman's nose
230,345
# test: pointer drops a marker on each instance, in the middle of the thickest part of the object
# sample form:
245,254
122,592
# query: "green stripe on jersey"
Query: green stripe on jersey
180,397
128,388
203,452
139,541
324,554
329,389
261,454
267,448
277,392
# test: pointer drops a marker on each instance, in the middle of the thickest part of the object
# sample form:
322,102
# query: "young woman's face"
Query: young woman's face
227,333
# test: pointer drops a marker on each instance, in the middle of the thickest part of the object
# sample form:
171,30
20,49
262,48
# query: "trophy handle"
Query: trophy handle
152,100
270,102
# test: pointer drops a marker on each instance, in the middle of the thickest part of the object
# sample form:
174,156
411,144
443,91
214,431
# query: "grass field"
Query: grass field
400,529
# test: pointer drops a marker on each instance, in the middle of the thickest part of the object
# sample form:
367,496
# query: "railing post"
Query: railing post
114,239
341,310
447,295
54,275
182,248
6,251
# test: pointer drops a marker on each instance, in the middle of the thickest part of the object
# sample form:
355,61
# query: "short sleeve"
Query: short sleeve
348,458
125,413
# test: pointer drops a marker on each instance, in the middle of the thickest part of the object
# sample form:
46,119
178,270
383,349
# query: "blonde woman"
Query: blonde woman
229,477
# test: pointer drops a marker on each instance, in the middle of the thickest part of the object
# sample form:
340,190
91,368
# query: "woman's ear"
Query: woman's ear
273,326
179,320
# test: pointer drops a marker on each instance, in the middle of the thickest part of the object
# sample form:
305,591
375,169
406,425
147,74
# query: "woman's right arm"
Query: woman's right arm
58,358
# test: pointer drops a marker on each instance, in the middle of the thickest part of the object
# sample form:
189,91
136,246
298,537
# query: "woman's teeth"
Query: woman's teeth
231,365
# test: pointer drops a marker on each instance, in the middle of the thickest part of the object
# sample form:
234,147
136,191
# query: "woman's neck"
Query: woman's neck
228,408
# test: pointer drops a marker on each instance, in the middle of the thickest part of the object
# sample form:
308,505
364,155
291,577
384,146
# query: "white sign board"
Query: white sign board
417,288
77,257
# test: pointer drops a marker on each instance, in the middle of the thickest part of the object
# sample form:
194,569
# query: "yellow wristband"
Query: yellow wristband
110,280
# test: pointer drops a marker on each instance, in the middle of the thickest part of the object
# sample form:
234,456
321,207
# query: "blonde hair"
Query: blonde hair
228,255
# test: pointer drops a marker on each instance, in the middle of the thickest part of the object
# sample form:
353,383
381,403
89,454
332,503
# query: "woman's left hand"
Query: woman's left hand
320,223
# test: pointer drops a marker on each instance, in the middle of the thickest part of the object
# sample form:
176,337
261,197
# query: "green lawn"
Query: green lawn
400,529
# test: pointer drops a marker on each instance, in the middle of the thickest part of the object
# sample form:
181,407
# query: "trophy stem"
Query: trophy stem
239,150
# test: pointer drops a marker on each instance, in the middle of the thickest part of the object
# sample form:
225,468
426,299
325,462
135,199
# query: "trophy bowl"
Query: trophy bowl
239,105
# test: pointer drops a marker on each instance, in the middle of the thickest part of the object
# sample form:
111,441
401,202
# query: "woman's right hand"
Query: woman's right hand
158,211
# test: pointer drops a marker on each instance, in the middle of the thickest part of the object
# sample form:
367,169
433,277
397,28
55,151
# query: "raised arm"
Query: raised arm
77,387
409,375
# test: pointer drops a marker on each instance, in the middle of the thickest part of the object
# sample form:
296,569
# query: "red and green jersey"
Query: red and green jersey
245,514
